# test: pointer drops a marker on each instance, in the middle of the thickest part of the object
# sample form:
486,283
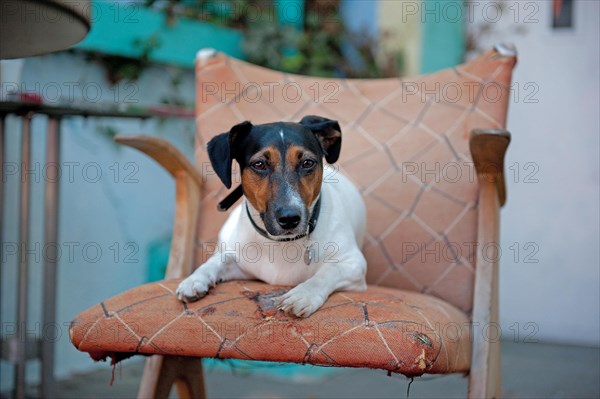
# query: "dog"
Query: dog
294,227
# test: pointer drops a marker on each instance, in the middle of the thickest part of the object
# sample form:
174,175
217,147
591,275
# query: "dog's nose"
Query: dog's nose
288,218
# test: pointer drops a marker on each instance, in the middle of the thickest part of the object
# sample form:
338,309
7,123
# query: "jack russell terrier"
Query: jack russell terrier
293,228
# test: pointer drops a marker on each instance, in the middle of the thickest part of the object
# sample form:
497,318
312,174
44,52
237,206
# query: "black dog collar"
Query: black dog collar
312,224
231,198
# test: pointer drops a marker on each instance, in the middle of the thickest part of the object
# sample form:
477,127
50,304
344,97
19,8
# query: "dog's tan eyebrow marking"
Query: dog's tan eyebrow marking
269,153
295,153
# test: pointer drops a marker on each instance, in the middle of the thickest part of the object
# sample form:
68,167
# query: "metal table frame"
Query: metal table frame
18,349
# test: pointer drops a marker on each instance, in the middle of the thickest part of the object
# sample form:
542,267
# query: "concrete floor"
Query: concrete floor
529,371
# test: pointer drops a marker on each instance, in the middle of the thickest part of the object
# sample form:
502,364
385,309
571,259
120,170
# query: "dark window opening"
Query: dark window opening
562,13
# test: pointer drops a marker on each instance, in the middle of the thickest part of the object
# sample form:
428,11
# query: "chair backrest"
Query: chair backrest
405,145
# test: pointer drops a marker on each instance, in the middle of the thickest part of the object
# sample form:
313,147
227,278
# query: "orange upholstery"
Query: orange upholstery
404,332
404,144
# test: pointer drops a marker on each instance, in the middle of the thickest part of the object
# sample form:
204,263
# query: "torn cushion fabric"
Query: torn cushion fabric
383,328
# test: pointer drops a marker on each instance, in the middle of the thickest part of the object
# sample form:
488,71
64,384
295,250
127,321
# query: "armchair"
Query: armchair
427,154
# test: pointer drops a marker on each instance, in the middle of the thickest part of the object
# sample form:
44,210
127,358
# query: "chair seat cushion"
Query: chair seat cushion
400,331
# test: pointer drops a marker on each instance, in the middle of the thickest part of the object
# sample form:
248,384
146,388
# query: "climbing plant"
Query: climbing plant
323,46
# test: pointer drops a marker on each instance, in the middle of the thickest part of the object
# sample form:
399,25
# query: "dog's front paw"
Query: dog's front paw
193,288
300,301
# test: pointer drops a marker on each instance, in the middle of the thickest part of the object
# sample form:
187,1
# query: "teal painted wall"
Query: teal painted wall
117,26
291,12
443,34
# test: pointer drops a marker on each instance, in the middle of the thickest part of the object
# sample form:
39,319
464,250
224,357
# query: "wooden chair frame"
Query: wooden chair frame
488,148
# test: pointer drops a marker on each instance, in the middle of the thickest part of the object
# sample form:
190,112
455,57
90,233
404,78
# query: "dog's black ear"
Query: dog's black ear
329,134
221,150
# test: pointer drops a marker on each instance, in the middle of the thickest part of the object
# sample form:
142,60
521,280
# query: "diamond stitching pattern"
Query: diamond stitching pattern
397,331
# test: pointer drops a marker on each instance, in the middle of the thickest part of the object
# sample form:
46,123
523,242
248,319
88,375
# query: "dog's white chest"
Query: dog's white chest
283,263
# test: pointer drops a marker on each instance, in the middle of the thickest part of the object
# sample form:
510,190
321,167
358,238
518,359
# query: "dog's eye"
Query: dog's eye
259,165
308,164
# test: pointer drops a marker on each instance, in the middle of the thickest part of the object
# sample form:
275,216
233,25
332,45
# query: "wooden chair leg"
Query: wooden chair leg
161,372
190,385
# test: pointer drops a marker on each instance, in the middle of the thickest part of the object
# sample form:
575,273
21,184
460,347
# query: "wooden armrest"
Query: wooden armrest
188,184
488,147
163,152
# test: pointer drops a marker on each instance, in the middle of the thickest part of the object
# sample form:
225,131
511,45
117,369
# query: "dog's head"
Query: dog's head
281,165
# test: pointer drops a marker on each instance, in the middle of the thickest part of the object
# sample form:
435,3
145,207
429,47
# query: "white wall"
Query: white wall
558,214
97,211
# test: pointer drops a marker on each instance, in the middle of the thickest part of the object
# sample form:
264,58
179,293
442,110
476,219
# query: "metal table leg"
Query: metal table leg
50,239
23,275
2,117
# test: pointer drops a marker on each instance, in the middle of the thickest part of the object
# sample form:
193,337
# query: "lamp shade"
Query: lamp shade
30,27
